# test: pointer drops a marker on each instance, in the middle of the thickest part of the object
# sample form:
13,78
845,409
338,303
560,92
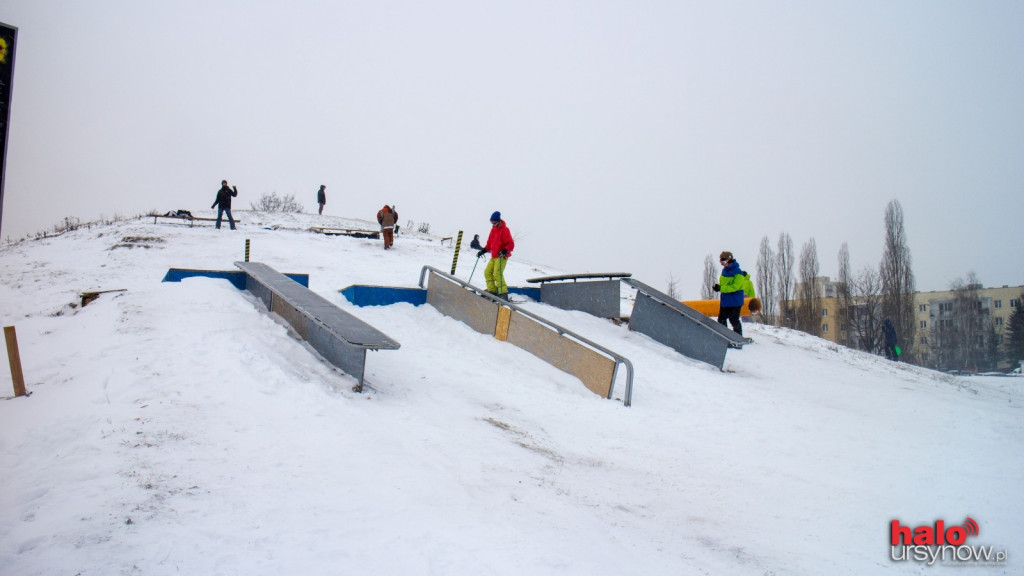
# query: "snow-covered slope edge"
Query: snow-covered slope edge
176,428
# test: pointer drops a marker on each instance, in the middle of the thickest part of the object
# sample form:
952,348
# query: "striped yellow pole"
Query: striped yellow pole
246,249
458,245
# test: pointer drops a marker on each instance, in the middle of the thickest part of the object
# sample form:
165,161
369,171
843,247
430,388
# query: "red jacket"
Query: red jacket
499,239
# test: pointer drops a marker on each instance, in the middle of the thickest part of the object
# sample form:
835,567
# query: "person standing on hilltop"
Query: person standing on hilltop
223,202
321,198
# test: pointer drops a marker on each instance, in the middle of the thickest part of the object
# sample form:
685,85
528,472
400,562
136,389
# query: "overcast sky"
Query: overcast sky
613,136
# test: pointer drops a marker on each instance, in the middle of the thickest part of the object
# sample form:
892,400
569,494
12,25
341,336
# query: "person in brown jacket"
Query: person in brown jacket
387,218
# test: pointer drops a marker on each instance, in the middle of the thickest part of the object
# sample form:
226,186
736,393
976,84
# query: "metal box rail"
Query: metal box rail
596,294
680,327
338,336
593,364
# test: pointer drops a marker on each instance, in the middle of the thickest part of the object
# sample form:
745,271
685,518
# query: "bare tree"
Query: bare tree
784,280
865,319
845,307
898,278
962,333
809,306
673,287
766,272
710,278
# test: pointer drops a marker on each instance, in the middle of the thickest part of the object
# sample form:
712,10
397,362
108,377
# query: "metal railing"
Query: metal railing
618,358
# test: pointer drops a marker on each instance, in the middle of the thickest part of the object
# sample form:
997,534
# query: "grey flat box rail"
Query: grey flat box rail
596,294
338,336
680,327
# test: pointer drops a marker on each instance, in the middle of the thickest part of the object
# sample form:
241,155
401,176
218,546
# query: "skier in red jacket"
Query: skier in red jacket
500,245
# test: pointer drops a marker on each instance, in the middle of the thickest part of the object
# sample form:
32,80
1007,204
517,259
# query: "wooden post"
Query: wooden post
15,359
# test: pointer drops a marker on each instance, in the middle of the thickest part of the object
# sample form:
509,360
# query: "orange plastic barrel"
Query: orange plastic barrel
751,306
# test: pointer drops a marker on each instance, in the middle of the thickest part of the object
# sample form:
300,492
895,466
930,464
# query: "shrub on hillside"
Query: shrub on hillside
271,202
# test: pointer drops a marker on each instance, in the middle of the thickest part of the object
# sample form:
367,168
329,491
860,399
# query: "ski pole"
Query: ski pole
470,281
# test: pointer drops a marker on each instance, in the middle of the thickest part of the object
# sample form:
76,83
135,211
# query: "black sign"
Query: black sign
8,40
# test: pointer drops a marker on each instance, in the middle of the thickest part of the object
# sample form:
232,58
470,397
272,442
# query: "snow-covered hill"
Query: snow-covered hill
176,428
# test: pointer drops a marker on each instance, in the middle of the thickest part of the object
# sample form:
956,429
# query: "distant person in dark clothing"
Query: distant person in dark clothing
892,350
321,198
223,202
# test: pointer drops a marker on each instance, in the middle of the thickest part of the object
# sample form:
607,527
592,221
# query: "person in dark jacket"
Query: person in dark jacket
891,341
321,198
223,202
735,286
500,245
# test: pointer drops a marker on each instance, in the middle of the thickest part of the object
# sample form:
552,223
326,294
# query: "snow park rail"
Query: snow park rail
338,336
341,338
655,314
680,327
595,294
595,365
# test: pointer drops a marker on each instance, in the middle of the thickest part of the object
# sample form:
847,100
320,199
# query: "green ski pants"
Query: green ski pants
494,273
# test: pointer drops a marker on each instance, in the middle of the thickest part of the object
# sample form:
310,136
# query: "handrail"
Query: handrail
619,359
575,277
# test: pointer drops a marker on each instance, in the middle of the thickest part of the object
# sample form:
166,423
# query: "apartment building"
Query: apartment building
832,327
933,310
